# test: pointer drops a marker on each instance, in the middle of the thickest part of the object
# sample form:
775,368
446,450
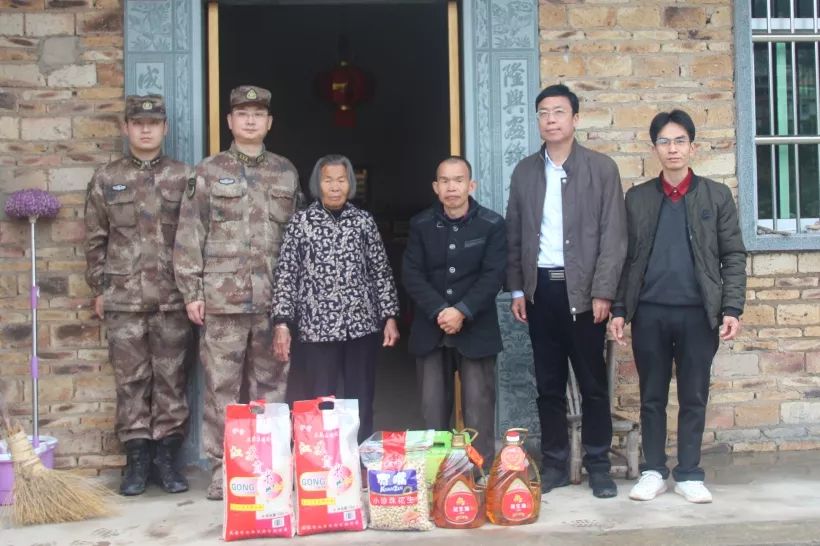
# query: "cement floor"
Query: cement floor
759,499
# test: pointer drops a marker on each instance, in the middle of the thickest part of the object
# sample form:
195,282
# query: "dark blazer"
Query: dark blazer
716,245
456,264
594,226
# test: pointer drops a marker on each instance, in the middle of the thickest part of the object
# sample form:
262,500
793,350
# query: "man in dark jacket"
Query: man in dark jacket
566,230
453,269
685,277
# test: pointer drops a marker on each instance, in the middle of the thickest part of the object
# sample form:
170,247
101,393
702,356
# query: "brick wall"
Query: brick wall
61,89
627,61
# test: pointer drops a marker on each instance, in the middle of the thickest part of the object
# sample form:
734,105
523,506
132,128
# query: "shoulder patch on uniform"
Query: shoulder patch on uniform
118,187
191,189
226,181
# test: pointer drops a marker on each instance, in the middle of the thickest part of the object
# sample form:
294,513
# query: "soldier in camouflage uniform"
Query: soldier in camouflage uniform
231,227
131,214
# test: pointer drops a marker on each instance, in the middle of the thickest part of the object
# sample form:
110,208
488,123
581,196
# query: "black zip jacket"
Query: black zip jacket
715,242
456,264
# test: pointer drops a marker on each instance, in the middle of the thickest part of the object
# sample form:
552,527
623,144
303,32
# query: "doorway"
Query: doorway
400,131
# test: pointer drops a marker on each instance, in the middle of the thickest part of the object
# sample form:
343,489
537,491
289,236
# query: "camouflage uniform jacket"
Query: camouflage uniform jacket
131,214
334,280
231,226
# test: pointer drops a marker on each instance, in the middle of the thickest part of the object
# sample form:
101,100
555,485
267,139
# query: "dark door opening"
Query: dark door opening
400,134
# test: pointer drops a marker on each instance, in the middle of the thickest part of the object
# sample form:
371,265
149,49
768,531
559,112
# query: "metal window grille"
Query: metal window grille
786,51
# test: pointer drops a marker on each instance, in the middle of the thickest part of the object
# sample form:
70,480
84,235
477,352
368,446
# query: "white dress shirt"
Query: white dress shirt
551,240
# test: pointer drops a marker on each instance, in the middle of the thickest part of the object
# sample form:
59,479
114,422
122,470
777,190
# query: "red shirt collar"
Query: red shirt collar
676,193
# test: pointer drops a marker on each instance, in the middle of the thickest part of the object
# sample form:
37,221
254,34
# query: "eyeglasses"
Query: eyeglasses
665,142
557,114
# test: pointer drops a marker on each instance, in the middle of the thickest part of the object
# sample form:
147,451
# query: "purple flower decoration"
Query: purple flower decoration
32,204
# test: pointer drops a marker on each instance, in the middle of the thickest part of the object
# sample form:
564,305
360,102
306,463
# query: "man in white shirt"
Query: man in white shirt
566,232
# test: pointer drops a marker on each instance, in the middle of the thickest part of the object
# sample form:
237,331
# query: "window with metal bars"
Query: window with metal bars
785,101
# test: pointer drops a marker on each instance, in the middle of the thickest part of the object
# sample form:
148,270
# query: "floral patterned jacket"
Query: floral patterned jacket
333,280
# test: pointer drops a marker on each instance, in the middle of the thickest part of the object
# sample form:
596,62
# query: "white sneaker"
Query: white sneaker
650,485
693,491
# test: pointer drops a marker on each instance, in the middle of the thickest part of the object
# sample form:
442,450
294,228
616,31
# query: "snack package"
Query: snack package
398,493
258,472
328,471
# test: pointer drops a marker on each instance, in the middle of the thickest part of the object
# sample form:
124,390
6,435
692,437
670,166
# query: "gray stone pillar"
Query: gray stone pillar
501,81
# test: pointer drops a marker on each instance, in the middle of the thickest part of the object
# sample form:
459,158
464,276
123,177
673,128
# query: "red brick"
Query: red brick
56,388
110,74
68,231
813,362
782,363
15,336
100,22
720,416
62,4
95,387
684,17
76,335
22,5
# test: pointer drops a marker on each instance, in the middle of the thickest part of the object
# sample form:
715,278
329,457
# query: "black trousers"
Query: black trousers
436,377
661,334
355,361
555,338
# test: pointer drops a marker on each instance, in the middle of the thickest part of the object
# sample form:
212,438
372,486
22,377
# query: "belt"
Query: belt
555,274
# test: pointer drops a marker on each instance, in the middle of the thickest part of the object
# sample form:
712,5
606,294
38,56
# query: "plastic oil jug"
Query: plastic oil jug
442,440
514,486
458,499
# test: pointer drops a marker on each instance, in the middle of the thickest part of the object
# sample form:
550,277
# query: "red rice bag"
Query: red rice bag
328,471
258,472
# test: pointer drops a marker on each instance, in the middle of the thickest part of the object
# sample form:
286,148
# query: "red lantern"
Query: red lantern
348,87
345,86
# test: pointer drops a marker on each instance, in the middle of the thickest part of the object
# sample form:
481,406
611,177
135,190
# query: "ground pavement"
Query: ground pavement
767,498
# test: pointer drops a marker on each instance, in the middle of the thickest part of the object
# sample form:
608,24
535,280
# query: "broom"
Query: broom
42,495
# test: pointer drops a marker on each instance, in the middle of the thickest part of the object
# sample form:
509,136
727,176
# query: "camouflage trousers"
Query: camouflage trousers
147,351
236,348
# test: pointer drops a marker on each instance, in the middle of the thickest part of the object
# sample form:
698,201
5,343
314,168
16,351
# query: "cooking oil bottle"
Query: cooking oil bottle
514,486
458,500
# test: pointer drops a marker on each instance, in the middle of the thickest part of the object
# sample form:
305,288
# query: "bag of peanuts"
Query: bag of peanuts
258,472
397,491
328,471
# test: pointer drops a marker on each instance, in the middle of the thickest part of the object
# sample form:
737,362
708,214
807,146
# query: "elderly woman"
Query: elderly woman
335,286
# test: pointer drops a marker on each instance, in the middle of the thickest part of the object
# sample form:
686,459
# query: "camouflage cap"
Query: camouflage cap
250,94
144,106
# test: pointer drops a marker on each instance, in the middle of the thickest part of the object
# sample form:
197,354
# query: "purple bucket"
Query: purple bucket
46,452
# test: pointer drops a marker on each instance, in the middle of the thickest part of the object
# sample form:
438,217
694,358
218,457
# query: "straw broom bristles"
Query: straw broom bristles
42,495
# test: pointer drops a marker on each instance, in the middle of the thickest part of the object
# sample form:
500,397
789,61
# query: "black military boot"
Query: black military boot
135,473
164,470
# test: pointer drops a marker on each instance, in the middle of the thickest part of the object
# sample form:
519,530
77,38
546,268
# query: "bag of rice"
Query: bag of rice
258,472
397,491
328,471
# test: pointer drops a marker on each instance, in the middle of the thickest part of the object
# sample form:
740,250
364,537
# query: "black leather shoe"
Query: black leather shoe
602,485
164,471
552,477
135,473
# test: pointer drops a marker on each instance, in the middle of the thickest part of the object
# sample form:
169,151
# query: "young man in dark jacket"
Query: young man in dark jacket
683,287
453,269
